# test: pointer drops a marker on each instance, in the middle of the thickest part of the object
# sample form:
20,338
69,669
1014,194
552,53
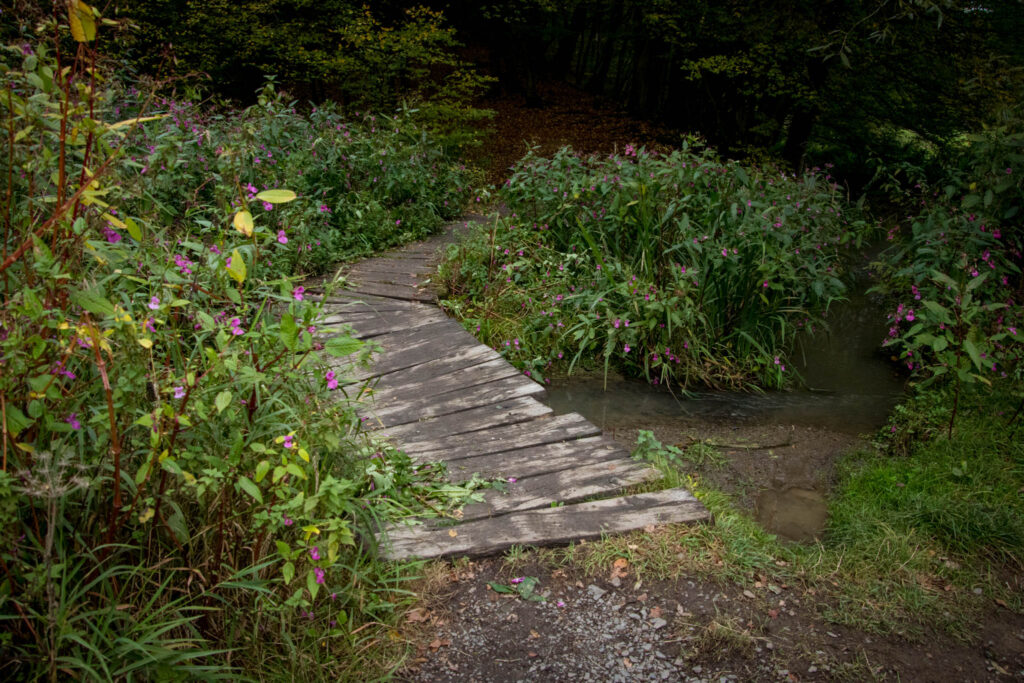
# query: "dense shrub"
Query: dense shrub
679,267
953,270
180,481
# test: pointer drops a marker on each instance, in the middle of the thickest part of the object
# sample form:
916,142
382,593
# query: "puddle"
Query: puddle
795,514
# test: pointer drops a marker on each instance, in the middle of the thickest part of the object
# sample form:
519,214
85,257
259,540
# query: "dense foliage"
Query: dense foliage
953,271
680,267
845,82
184,486
367,59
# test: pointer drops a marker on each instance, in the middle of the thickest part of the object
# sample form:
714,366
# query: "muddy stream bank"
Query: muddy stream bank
779,448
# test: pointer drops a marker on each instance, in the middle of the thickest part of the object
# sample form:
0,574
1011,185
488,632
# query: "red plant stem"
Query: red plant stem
61,210
3,417
115,441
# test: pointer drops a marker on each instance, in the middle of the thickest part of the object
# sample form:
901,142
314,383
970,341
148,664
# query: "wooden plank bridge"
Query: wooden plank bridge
441,395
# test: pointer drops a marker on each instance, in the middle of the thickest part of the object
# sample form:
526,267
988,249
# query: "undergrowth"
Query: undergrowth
681,268
184,493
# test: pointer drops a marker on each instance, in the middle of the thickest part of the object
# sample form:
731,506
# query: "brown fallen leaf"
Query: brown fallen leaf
619,568
437,643
453,533
418,614
534,635
1001,603
655,612
773,613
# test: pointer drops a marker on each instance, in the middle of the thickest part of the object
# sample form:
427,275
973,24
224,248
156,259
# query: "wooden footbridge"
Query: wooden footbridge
441,395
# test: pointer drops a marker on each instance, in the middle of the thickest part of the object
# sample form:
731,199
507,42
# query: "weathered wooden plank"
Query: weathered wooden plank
392,278
536,460
455,359
414,352
480,395
396,266
472,420
366,325
390,391
355,315
551,526
352,300
508,437
565,487
399,292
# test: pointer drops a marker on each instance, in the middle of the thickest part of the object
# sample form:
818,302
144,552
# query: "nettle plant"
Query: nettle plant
165,396
681,267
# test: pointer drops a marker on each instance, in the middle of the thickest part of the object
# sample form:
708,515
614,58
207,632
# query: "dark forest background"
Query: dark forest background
860,84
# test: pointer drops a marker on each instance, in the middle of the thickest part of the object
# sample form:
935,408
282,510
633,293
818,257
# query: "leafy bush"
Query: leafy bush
368,59
681,267
179,479
955,275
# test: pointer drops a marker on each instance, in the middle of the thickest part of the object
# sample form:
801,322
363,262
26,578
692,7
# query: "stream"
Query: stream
850,389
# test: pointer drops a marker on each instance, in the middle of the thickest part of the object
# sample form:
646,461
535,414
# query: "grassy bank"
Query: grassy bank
920,540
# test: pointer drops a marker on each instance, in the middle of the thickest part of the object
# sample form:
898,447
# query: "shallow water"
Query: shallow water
850,387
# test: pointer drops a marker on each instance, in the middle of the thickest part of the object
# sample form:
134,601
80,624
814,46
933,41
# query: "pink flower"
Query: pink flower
154,303
512,480
626,348
72,420
236,327
282,237
214,249
332,380
319,575
518,579
112,235
267,206
298,292
289,441
314,552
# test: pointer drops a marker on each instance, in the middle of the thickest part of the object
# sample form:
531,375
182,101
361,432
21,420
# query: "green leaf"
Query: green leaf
289,331
261,470
311,585
283,549
237,268
972,351
342,345
92,301
500,587
288,572
276,196
937,308
939,344
133,229
80,18
223,400
250,488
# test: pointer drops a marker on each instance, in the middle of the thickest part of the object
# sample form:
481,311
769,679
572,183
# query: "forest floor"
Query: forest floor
596,616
